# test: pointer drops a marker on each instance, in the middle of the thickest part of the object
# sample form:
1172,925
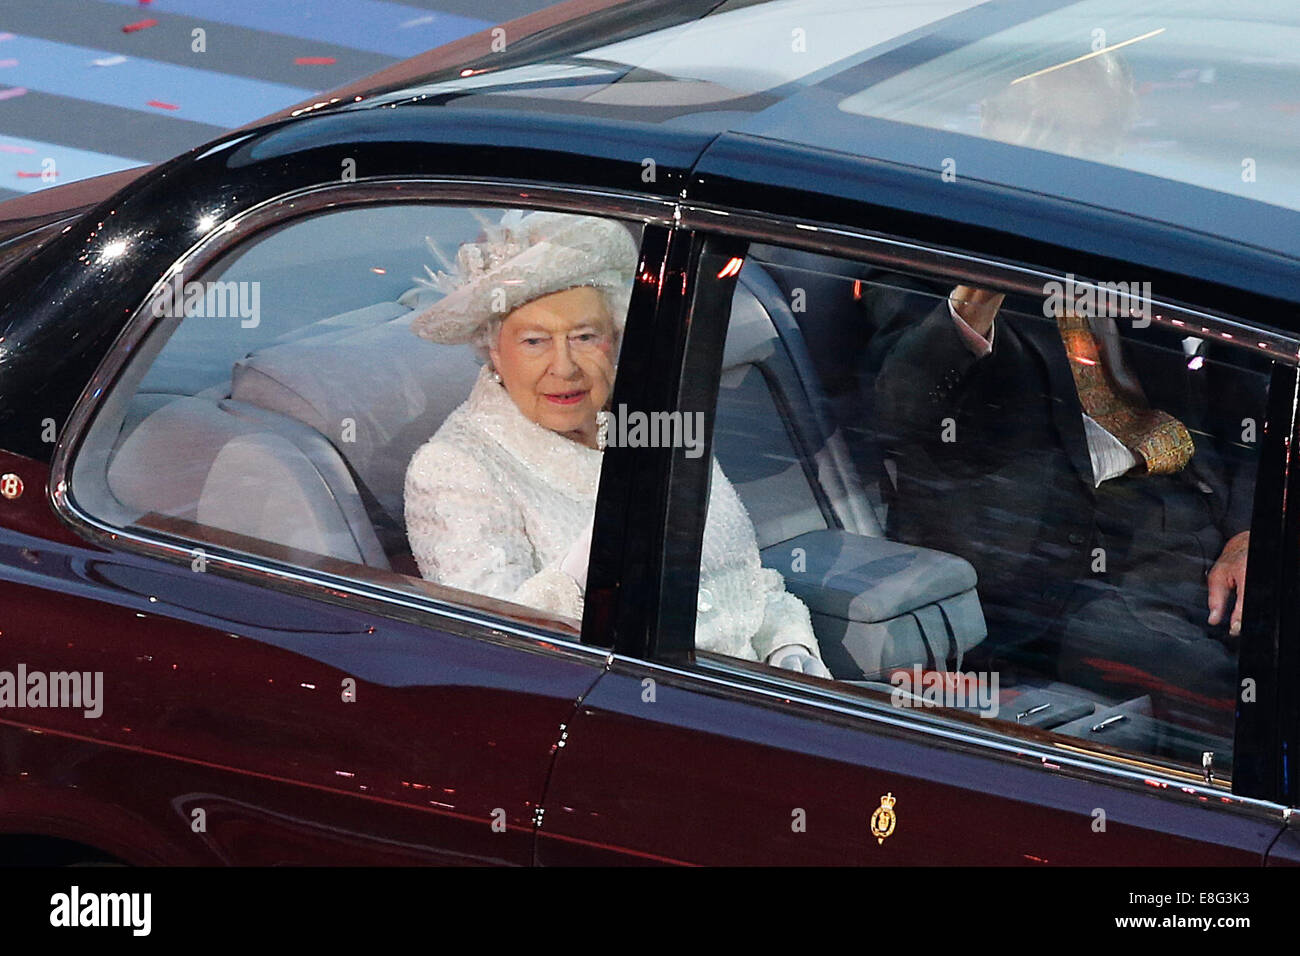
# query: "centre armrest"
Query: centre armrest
877,604
866,579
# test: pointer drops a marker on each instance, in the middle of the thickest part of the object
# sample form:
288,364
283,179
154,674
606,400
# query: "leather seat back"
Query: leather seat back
771,438
376,393
203,461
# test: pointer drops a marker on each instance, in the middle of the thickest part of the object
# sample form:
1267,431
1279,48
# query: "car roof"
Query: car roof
804,108
700,64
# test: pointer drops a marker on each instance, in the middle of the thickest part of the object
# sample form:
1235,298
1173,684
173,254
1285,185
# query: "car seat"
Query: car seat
308,443
376,394
875,604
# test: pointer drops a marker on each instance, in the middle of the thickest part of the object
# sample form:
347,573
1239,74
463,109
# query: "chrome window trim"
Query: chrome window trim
233,232
1079,763
938,262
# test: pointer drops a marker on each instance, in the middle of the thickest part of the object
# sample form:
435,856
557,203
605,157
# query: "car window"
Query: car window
1020,507
402,393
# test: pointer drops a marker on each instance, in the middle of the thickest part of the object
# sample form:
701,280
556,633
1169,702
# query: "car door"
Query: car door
686,756
244,724
279,685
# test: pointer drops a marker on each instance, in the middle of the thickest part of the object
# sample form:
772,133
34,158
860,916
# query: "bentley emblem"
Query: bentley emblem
11,486
883,820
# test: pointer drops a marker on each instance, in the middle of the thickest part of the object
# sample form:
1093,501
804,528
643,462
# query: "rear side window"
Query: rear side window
1033,509
326,395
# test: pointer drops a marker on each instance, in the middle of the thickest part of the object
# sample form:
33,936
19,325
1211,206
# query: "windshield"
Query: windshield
1196,91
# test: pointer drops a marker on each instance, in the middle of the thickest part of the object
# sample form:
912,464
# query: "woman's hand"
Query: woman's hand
795,657
574,562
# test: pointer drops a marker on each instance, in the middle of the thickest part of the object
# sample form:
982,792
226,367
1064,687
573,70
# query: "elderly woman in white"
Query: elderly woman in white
500,501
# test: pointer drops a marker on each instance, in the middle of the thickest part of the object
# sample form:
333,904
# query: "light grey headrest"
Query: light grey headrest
751,337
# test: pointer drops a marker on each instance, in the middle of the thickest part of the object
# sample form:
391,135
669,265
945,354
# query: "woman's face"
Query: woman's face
555,356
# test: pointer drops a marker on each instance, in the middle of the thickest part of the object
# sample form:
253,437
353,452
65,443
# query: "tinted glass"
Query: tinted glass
405,394
1042,518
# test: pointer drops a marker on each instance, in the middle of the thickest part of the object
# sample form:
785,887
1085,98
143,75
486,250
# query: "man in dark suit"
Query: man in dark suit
1101,540
1096,486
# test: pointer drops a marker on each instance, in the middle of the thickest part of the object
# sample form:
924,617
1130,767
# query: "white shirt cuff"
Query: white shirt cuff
978,344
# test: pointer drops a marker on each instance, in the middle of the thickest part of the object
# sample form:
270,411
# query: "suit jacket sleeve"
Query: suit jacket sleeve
922,371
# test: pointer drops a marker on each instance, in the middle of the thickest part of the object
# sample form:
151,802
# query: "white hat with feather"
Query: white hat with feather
522,258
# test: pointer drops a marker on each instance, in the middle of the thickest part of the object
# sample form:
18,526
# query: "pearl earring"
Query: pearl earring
602,429
496,376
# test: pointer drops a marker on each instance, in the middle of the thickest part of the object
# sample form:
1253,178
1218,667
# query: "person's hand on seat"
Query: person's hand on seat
1228,575
795,657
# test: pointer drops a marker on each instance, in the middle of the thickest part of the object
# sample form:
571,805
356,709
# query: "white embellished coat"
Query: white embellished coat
493,502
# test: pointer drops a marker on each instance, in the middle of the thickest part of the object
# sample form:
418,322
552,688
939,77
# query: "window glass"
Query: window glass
1195,91
404,393
1035,509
